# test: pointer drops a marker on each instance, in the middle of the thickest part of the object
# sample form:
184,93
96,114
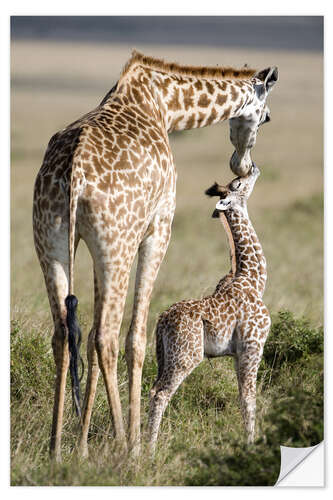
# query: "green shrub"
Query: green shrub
296,418
290,339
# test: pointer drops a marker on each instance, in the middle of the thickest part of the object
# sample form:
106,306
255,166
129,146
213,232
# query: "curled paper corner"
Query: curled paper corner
291,458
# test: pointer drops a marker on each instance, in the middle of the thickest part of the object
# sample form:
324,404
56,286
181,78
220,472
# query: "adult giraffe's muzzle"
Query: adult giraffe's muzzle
241,166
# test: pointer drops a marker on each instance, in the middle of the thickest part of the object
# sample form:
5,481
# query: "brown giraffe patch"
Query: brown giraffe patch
203,101
174,103
210,88
221,99
200,120
188,95
227,113
190,122
212,117
234,93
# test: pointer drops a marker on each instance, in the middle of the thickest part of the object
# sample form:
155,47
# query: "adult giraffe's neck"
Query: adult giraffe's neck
249,258
185,101
193,102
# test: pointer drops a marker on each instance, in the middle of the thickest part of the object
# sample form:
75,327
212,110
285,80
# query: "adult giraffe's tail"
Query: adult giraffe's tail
74,342
71,302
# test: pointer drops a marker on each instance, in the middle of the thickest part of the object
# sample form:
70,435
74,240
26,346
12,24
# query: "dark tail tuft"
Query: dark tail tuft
74,342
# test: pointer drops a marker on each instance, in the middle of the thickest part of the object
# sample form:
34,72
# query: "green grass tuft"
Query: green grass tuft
290,339
202,440
32,366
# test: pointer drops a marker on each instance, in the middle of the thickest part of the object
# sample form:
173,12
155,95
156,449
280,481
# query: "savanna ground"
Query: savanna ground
201,440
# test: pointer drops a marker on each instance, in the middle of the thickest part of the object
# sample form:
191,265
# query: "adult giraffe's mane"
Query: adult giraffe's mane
218,72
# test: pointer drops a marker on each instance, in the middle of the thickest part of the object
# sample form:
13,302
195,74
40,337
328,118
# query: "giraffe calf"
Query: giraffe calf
233,321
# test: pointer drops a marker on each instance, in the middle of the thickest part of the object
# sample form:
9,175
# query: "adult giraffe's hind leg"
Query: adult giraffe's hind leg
56,281
51,242
151,252
107,347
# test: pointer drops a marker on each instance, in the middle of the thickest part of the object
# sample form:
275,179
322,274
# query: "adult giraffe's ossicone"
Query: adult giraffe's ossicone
109,179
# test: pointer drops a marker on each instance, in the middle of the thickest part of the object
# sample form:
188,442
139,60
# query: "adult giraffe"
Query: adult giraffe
109,179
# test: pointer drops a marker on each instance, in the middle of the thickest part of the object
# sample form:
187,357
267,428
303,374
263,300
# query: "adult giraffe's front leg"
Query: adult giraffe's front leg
151,253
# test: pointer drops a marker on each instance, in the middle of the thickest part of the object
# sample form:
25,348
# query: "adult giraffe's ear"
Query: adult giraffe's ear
269,77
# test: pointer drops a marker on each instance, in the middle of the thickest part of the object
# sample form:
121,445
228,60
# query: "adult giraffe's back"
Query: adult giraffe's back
109,179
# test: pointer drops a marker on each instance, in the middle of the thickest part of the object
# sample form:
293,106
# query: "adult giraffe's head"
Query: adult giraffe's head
244,127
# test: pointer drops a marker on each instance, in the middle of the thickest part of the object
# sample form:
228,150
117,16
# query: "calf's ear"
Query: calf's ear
216,190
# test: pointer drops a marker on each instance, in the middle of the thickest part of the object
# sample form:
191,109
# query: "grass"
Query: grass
202,438
208,451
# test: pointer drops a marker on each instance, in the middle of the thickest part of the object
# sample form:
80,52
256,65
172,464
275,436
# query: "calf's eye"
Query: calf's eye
235,185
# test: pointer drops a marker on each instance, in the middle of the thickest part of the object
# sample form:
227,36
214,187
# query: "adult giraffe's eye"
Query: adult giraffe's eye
267,118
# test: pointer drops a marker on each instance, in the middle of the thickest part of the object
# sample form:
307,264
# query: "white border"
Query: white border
142,7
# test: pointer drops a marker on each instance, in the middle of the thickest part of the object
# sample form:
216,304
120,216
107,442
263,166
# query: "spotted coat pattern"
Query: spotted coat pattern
232,321
109,179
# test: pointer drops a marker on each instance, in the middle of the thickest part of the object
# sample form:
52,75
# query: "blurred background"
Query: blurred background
61,67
